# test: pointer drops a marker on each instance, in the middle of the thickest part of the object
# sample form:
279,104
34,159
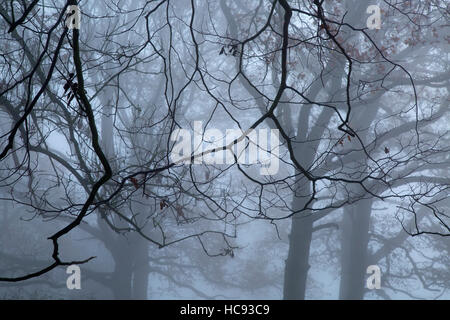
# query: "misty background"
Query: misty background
86,123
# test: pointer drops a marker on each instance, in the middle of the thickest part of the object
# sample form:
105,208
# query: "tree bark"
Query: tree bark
140,269
297,262
355,238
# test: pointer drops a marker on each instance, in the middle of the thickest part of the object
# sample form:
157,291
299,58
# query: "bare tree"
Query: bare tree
359,114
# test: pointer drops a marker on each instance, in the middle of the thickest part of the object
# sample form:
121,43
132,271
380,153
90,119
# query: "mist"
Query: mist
222,149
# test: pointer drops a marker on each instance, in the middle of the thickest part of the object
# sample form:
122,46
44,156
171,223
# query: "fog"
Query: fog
224,149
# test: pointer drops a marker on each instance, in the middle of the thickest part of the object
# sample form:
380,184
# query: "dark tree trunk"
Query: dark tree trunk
355,238
141,269
297,262
121,279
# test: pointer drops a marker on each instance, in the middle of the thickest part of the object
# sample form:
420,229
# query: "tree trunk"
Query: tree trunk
297,262
355,238
131,273
130,276
140,269
122,276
